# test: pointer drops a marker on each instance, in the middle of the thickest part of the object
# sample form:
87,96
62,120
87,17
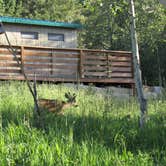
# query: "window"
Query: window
55,37
29,35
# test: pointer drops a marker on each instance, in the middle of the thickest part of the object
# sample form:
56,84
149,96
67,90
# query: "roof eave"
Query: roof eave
40,22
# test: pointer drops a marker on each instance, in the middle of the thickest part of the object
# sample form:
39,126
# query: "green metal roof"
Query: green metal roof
28,21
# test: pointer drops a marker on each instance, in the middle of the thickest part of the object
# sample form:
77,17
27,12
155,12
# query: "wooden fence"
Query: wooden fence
67,65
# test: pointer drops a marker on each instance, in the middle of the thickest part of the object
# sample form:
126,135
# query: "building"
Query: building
30,32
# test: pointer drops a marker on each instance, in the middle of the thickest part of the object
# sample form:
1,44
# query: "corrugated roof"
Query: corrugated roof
39,22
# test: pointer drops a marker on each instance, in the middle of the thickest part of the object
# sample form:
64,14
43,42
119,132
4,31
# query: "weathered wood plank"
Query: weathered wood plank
121,75
121,64
37,65
7,52
46,54
7,64
36,60
120,69
95,73
95,57
9,58
97,68
68,61
88,62
68,66
10,70
65,55
93,80
42,72
120,58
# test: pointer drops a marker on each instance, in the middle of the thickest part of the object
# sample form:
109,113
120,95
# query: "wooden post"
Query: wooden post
22,59
108,66
81,64
51,61
137,71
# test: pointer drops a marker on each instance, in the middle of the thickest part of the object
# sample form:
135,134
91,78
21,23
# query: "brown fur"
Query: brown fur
56,106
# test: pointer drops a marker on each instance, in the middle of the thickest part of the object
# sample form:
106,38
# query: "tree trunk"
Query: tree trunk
137,71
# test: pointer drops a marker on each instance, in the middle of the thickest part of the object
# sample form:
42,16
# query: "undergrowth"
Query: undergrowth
100,131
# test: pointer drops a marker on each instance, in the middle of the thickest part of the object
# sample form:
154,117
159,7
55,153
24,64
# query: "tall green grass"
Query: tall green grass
101,131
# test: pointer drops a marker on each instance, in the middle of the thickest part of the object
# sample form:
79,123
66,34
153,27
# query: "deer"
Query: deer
57,106
53,105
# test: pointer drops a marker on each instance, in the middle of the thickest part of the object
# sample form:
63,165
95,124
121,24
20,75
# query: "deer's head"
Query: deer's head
71,99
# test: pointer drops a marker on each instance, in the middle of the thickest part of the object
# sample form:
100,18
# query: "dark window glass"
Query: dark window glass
29,35
55,37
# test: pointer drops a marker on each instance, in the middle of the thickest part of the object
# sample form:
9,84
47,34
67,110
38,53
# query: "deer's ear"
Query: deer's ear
67,95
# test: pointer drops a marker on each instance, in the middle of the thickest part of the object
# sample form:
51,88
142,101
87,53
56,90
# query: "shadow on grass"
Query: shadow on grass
112,132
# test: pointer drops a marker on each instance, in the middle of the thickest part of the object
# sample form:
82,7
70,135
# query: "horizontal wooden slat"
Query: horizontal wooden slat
120,58
52,66
35,53
93,80
69,66
37,65
97,68
88,62
9,58
95,74
67,49
67,72
121,64
37,60
7,52
65,61
116,53
120,69
120,75
49,72
10,71
36,72
94,57
108,80
8,64
65,55
49,54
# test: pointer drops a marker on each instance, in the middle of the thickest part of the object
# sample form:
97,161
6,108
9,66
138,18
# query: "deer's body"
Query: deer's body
56,106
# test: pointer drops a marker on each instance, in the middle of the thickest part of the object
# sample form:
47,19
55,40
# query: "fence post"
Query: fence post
51,61
81,64
22,59
108,66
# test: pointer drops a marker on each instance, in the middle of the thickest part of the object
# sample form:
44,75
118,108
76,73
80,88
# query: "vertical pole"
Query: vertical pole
81,64
22,59
108,65
51,61
137,71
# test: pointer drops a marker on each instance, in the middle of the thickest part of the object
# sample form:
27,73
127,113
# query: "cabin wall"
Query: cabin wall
14,34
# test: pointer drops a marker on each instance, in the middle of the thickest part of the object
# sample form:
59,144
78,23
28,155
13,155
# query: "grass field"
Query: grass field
100,132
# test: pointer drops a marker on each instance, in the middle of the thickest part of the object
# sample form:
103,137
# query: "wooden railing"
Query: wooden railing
67,65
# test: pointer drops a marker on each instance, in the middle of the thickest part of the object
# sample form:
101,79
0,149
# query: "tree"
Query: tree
137,72
1,7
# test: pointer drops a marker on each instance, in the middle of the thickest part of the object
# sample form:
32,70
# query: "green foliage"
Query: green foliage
83,136
151,28
105,25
